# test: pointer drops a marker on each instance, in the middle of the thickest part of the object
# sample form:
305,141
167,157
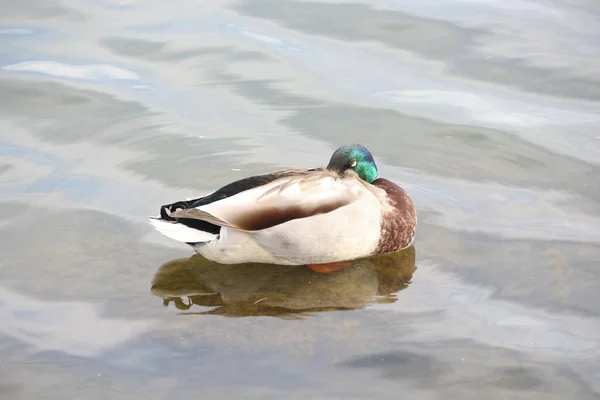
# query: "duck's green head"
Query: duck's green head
357,158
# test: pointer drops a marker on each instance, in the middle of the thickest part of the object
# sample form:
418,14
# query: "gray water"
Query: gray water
486,112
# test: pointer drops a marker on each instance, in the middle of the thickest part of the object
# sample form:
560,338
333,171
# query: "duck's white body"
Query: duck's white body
351,230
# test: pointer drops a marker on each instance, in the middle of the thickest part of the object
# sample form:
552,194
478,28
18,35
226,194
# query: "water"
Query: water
488,113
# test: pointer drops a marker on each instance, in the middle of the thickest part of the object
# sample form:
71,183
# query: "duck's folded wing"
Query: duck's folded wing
277,202
244,184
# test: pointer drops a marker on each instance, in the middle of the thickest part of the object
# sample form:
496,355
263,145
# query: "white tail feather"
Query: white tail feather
181,232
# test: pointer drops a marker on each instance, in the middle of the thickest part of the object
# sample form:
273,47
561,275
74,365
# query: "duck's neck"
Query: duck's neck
398,220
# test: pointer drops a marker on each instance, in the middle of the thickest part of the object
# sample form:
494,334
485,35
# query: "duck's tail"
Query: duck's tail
181,229
180,232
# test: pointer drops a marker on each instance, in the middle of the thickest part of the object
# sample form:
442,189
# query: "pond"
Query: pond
487,113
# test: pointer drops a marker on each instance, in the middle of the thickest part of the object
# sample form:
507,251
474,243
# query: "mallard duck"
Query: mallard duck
319,217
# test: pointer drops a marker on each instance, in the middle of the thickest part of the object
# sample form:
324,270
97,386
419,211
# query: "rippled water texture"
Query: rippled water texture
487,112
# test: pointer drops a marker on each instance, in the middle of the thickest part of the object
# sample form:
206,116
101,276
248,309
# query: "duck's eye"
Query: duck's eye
354,162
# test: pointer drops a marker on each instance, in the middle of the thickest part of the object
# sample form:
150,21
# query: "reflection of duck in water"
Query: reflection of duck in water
316,217
260,289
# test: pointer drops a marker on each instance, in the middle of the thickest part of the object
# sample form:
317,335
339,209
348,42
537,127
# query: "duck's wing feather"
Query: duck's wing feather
244,184
167,211
297,195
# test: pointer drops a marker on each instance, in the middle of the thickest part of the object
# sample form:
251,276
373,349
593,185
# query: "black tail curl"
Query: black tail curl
180,205
192,223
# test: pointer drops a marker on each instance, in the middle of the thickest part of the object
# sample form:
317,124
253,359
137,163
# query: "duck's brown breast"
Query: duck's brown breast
399,221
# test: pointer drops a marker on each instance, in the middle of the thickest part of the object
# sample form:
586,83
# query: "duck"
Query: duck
321,218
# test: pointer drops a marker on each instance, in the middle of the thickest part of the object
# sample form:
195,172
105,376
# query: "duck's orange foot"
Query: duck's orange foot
328,268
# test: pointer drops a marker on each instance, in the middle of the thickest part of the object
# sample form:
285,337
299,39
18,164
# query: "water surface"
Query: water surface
488,113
